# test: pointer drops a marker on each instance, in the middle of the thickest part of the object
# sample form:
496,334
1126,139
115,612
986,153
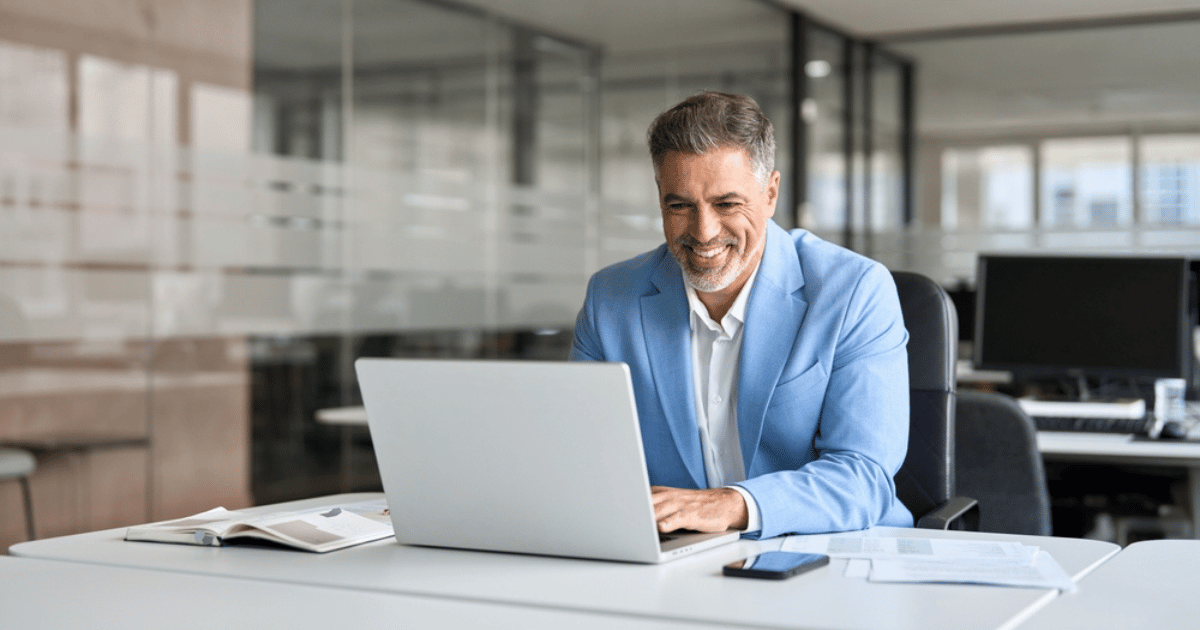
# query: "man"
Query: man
769,368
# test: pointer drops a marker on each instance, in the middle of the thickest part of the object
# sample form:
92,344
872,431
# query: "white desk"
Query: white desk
51,594
689,590
1124,449
1150,584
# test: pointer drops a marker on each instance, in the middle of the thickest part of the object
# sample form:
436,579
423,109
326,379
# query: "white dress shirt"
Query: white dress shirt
716,349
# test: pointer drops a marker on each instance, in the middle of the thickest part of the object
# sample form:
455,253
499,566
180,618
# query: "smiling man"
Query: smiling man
769,367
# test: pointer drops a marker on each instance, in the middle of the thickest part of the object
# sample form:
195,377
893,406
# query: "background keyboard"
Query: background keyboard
1138,426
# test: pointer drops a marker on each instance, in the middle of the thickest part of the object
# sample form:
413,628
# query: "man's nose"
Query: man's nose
707,225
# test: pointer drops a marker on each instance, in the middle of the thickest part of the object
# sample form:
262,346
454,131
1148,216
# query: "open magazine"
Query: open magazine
322,529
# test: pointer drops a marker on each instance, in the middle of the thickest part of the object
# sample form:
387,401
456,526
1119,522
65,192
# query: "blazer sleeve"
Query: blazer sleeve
585,346
862,435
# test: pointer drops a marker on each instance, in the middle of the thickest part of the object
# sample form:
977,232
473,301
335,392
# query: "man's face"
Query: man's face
715,215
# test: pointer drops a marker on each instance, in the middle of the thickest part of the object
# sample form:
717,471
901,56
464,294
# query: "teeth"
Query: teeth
708,253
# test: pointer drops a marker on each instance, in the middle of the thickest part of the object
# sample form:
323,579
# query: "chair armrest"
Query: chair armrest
948,513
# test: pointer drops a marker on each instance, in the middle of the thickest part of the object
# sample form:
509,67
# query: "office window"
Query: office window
1087,182
1170,179
987,187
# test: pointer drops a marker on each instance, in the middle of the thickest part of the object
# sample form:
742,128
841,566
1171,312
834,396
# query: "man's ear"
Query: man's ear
773,192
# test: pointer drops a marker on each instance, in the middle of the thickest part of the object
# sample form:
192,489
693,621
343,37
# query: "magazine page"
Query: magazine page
319,530
316,529
205,528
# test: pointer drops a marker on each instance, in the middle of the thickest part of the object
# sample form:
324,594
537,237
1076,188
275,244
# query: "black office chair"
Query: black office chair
925,482
998,464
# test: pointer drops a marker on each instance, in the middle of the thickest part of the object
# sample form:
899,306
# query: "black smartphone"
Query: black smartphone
776,565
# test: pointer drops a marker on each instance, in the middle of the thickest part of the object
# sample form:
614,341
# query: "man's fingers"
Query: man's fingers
664,509
709,510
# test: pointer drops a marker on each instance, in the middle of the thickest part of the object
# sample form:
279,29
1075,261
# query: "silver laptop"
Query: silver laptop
516,456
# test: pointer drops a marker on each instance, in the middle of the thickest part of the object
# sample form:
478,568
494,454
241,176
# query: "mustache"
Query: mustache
686,240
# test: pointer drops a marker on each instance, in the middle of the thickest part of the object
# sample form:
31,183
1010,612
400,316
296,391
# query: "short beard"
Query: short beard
712,280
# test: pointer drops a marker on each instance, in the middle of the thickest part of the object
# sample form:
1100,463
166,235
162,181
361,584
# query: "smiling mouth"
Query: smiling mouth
709,252
708,257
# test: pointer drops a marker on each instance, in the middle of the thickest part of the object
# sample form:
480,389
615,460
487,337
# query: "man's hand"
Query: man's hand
712,510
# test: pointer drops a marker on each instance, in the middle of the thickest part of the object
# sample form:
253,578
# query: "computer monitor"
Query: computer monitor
1084,316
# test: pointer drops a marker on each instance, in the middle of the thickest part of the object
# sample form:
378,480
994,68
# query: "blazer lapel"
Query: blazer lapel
667,327
773,317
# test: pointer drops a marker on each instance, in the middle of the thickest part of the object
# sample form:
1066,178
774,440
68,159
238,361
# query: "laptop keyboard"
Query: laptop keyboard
1136,426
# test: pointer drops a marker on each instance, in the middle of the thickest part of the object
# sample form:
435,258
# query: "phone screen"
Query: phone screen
776,564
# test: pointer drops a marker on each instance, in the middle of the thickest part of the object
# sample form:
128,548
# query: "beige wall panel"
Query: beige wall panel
115,488
12,520
92,413
201,427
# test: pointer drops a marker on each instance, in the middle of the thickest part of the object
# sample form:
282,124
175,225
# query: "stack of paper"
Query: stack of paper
935,560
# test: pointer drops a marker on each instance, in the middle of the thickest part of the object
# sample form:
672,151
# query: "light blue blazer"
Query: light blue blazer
822,401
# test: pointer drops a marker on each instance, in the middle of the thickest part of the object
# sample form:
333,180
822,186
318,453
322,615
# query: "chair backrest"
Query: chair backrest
998,464
926,480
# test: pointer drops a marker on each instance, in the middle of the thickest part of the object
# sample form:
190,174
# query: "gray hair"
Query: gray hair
711,120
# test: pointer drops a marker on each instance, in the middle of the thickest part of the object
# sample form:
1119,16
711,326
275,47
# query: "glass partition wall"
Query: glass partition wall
207,215
124,243
490,167
461,219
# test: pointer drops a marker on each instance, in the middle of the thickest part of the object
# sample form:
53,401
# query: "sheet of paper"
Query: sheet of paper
874,547
335,521
218,520
367,507
858,568
1043,572
348,524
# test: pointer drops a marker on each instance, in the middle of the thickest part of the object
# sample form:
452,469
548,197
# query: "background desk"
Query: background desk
1150,584
689,590
1124,449
347,418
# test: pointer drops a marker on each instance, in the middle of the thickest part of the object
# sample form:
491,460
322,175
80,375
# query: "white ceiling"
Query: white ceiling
614,21
879,17
1067,79
1101,77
